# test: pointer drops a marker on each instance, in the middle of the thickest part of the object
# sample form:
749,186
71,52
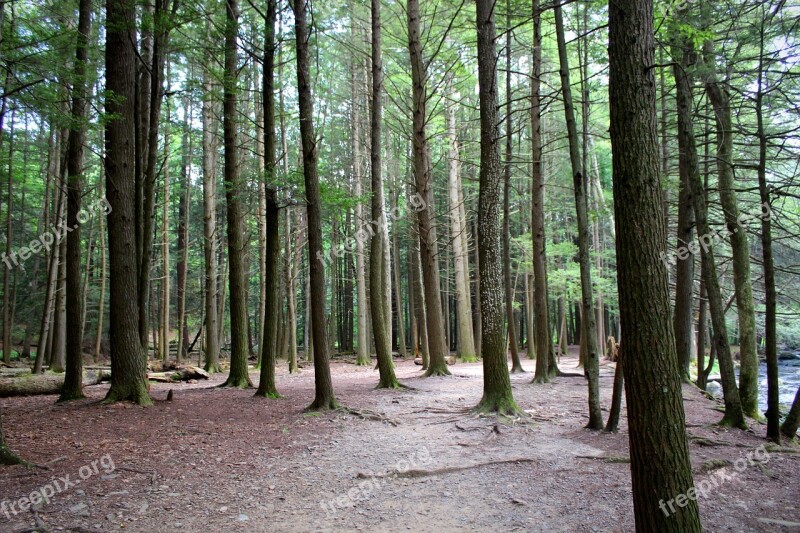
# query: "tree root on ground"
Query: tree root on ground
418,473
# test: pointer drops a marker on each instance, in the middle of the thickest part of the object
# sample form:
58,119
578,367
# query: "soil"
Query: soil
402,460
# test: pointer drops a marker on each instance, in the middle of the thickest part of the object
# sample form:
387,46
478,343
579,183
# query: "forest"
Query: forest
299,266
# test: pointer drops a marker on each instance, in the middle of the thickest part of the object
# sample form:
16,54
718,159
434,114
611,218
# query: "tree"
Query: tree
733,407
423,180
323,390
516,364
128,358
660,464
211,345
268,346
497,394
73,379
380,306
544,340
237,283
458,229
588,325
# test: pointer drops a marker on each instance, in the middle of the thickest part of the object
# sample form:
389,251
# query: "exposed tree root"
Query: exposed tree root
152,473
238,383
437,370
137,395
417,473
613,459
273,394
394,384
323,404
502,405
366,414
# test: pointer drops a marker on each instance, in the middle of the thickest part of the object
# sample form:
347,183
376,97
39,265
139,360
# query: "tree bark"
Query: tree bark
740,245
588,325
423,178
237,280
497,394
128,358
323,390
544,339
268,347
380,306
660,464
73,380
516,364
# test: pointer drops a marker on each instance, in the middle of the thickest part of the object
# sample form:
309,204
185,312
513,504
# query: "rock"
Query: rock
788,356
714,389
243,518
80,509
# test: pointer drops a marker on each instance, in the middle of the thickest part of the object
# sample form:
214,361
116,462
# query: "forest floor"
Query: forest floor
221,460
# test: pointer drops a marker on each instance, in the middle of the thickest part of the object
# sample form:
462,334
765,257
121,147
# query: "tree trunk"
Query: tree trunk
516,364
380,305
458,228
740,246
733,407
237,277
272,255
544,339
73,380
324,397
660,465
588,325
768,262
128,358
423,178
497,394
792,422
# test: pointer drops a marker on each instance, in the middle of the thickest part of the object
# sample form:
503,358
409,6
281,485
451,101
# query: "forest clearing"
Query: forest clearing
427,265
220,460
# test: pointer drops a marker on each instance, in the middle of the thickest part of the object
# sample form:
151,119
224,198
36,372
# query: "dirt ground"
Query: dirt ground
221,460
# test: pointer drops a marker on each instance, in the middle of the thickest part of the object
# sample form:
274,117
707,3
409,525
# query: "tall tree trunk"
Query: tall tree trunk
740,245
166,272
211,343
497,394
101,302
128,358
660,463
272,255
544,339
237,278
323,397
733,407
516,364
768,261
588,325
458,228
7,348
380,305
423,178
73,379
183,232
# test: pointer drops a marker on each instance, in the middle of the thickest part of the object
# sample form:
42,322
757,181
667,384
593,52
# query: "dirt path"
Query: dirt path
221,460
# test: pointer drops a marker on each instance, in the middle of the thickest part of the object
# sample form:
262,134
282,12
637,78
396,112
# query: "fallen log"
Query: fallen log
182,373
35,385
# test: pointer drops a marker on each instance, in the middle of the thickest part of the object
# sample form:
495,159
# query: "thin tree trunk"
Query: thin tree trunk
588,325
324,397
